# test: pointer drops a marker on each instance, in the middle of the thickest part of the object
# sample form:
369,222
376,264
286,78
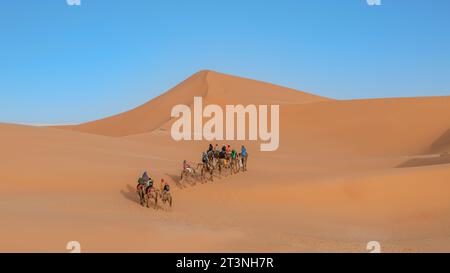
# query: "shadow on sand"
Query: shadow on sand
130,194
181,184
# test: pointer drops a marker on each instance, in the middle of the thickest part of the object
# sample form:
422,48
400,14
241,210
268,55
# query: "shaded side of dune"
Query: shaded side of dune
426,161
441,145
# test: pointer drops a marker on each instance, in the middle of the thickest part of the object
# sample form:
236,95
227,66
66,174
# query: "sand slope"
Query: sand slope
212,86
441,145
333,185
375,127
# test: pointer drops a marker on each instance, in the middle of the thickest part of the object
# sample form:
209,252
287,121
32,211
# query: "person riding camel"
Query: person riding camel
244,156
234,160
144,180
243,151
216,150
223,156
228,150
223,153
205,159
210,155
145,177
164,187
233,154
147,180
187,167
210,148
149,184
144,183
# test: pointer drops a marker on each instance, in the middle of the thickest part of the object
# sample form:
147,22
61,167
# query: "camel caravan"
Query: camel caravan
149,193
214,162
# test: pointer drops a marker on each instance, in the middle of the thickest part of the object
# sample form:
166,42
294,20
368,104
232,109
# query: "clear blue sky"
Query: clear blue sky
67,64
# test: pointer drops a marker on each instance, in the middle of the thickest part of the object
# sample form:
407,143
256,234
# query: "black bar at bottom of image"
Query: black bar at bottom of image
217,262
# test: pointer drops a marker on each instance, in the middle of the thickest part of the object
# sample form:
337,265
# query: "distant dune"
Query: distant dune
212,86
332,186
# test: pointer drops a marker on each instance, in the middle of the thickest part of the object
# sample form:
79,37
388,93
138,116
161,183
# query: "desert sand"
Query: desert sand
346,173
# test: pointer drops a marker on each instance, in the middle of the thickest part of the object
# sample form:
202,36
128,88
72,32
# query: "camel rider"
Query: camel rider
216,150
164,187
222,157
145,181
210,154
222,154
149,183
205,158
244,151
233,154
210,148
228,150
244,156
144,178
187,167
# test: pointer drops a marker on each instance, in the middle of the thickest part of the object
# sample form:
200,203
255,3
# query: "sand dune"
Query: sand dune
212,86
333,185
375,127
441,145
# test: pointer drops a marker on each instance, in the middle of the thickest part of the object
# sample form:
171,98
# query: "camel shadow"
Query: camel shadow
181,184
130,194
177,180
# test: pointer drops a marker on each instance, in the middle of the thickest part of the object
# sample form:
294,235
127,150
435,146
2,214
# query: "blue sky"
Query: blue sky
68,64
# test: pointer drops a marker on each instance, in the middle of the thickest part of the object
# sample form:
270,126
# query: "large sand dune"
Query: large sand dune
213,87
333,185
